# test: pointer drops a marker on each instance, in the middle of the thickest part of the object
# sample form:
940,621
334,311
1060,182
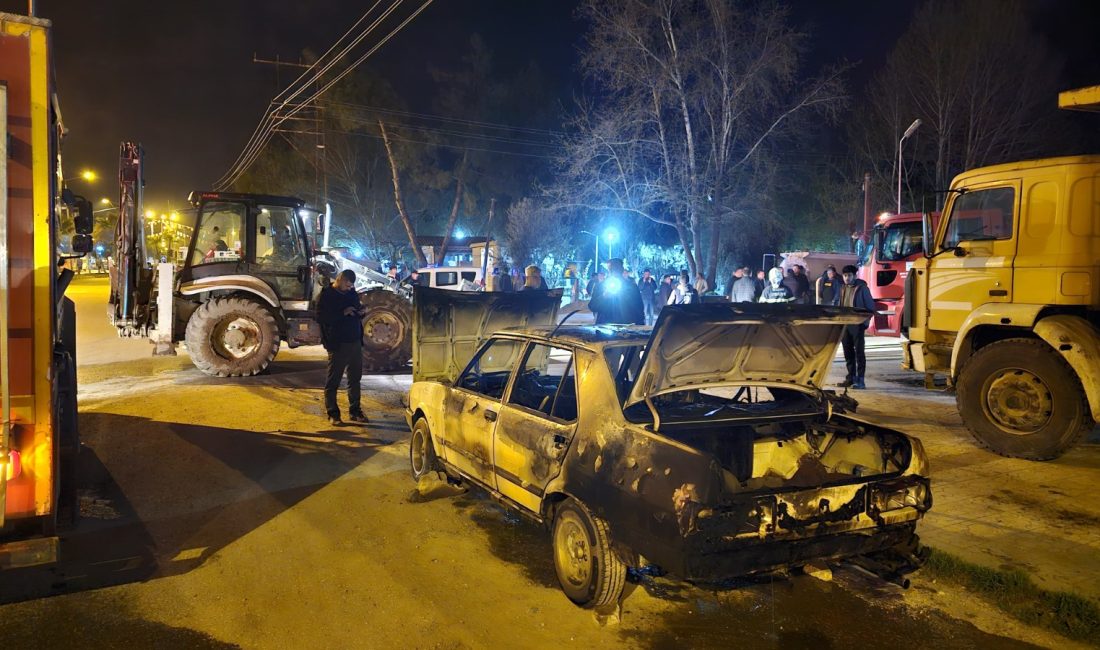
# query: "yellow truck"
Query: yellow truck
1006,303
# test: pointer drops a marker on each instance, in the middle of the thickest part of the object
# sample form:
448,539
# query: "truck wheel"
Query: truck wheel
1019,398
387,331
589,572
232,337
422,457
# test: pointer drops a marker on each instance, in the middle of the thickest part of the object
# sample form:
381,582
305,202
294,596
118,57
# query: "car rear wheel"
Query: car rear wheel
1019,398
422,458
589,572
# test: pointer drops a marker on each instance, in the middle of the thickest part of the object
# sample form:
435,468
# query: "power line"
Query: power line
262,129
262,135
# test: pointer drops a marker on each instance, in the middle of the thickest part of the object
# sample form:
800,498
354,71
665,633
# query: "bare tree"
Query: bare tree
533,232
981,80
698,95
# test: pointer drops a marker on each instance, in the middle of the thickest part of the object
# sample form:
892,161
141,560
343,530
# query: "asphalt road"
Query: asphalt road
223,513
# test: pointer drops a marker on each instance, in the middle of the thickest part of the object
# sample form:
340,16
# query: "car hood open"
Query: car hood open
450,326
734,344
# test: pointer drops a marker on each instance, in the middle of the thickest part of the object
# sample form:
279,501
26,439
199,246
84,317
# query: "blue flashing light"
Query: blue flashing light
460,234
99,249
357,252
613,285
611,235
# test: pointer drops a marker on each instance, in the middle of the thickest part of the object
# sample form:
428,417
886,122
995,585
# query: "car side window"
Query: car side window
546,383
489,370
981,215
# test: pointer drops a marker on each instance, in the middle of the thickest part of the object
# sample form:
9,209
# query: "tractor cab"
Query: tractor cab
260,237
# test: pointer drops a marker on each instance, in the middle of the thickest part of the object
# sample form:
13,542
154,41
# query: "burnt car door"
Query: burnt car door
473,405
536,424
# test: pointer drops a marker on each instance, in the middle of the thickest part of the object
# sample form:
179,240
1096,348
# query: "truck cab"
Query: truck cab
897,241
1005,301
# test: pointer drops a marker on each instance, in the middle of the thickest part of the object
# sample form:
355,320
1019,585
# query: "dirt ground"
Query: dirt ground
222,513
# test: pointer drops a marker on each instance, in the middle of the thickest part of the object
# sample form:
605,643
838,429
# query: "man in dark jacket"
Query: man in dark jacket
648,289
617,299
664,291
791,282
339,314
855,293
828,287
802,296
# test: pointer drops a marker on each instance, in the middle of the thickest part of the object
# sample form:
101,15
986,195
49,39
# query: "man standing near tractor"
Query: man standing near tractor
339,314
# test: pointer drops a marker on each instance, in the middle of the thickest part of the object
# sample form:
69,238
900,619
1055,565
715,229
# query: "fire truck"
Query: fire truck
39,441
896,240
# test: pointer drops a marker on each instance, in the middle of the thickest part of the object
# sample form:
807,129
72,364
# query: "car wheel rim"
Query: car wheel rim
237,337
573,553
419,452
383,329
1018,401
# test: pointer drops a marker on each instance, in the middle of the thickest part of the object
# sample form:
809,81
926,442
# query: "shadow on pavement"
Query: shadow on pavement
754,612
158,499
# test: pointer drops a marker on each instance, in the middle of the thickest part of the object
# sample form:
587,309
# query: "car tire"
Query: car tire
232,337
1020,398
387,331
588,570
422,459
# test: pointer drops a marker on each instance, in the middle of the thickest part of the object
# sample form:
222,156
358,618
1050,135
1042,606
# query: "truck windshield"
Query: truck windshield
900,241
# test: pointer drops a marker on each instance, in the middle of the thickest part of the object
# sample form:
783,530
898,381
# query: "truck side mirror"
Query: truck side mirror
927,233
83,221
81,243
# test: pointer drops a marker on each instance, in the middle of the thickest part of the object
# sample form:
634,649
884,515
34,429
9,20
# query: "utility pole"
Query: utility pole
866,203
485,254
320,179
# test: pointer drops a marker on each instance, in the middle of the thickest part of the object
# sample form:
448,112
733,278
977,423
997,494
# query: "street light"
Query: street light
611,235
908,132
87,175
596,262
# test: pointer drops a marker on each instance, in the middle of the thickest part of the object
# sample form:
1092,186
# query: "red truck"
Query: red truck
895,241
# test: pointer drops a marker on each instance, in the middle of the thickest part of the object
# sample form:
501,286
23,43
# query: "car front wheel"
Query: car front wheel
589,572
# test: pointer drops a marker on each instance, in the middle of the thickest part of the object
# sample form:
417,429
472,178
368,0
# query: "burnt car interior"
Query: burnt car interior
545,383
764,438
489,370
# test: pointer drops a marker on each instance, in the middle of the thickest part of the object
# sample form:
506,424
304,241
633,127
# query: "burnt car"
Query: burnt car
705,446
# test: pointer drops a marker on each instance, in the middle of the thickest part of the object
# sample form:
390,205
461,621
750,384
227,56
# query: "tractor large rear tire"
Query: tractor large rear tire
232,337
387,331
1019,398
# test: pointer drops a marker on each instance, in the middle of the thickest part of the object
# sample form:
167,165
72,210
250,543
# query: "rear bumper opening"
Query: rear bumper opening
709,562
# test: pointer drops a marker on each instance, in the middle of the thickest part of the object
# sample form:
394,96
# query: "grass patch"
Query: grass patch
1013,592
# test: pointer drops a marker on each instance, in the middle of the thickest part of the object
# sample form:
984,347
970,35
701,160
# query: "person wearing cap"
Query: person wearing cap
618,299
855,293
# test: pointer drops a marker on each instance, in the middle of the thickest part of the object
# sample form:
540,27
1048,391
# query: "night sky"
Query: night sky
179,76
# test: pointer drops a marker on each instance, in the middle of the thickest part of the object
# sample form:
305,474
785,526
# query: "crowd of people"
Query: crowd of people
616,297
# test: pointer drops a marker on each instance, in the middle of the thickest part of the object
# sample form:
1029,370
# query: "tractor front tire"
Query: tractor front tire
387,331
232,337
